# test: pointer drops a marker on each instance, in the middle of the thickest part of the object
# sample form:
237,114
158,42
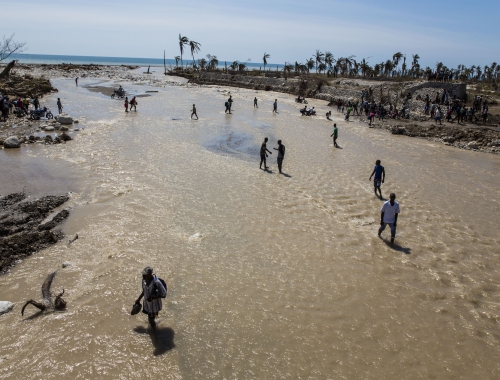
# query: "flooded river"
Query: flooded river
269,276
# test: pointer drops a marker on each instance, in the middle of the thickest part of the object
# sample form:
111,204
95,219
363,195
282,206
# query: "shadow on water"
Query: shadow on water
397,247
162,338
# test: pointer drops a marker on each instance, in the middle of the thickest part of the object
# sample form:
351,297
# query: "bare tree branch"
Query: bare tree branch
8,46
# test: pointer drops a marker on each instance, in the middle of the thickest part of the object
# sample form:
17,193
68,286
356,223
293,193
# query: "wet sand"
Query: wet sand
270,276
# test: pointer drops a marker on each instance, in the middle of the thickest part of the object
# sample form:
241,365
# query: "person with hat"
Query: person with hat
153,291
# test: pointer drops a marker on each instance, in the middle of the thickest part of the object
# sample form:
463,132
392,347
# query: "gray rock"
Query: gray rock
49,129
5,307
472,145
495,142
76,121
448,139
63,128
65,137
67,264
12,142
64,119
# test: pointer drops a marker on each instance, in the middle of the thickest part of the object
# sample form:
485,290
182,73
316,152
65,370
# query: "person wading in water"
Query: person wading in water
263,154
152,291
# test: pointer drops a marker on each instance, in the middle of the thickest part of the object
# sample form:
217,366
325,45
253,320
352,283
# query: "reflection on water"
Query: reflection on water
285,277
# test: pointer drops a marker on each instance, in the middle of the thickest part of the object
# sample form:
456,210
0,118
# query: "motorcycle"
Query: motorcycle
120,93
41,112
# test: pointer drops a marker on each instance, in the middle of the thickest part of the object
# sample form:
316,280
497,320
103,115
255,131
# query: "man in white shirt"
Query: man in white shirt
152,291
389,216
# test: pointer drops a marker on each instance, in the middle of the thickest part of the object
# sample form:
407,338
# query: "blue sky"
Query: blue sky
449,31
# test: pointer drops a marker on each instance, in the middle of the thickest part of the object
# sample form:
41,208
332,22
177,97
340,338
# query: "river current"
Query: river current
269,276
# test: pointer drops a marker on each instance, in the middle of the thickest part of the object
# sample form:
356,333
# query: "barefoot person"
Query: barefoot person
379,178
126,104
76,81
389,216
281,154
335,134
193,113
263,154
59,105
152,291
133,103
275,106
255,103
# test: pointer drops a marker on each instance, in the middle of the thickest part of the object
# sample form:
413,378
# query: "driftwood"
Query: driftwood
47,303
6,71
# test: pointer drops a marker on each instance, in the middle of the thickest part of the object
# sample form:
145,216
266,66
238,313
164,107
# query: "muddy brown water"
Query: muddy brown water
270,276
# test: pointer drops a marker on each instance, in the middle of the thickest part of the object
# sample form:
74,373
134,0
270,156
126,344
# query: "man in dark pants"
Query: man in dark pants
335,134
281,154
59,105
263,154
389,216
379,178
152,291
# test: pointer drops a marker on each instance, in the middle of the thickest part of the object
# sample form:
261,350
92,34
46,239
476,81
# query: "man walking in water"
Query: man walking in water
335,134
389,216
76,81
281,154
379,178
263,154
152,291
194,112
255,103
133,103
275,106
59,105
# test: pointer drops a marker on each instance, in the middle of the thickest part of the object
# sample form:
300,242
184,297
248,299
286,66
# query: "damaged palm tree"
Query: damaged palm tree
47,303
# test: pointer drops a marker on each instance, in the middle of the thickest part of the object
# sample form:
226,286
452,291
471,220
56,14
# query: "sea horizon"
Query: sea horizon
53,59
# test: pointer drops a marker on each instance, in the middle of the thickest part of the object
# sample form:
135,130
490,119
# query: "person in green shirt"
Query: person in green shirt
335,134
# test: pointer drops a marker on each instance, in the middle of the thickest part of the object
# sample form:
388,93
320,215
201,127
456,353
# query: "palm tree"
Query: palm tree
177,59
396,58
329,60
321,67
365,67
202,63
264,59
183,40
234,65
318,58
309,64
242,67
213,62
195,47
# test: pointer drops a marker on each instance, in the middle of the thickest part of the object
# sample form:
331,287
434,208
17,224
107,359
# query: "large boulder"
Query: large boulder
12,142
65,137
5,307
64,119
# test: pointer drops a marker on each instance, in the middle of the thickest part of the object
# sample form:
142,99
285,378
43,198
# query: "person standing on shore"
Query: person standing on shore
193,112
335,134
255,103
275,106
281,154
230,102
152,291
389,216
263,154
133,103
36,103
59,105
439,115
228,107
76,81
126,104
379,172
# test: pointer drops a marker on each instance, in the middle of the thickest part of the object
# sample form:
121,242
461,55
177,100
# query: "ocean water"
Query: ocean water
85,60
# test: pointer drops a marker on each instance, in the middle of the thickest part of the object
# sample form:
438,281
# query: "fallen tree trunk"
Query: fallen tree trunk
5,73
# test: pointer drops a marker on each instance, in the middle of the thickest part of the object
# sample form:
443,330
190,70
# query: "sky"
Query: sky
453,32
